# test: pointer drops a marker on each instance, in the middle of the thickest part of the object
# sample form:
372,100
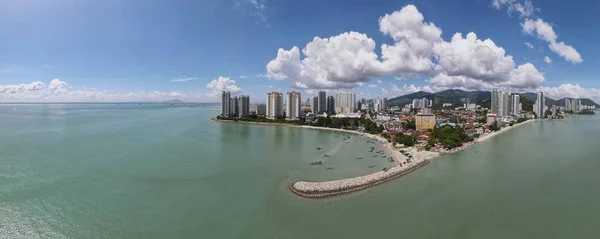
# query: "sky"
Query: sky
155,50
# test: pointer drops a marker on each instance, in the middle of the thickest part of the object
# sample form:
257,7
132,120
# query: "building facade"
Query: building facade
345,102
225,103
314,106
495,102
293,109
425,121
234,106
539,107
330,104
322,106
243,106
274,105
516,104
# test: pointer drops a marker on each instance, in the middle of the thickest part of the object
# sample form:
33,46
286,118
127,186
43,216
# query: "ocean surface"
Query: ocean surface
163,171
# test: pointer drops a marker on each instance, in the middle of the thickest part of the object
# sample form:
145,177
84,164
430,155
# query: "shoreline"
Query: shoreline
324,189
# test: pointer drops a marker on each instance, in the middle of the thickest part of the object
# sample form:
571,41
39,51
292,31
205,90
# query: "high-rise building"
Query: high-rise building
345,102
314,106
225,103
425,121
380,105
293,109
516,104
235,110
495,101
506,104
258,109
421,103
384,104
540,105
330,104
553,110
274,105
322,108
568,105
243,106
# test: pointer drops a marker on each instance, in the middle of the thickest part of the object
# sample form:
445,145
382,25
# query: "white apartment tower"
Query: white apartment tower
516,104
274,105
225,103
293,109
345,102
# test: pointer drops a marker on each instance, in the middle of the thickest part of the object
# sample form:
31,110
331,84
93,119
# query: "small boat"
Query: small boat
316,163
330,168
359,157
371,166
327,156
347,141
319,148
375,156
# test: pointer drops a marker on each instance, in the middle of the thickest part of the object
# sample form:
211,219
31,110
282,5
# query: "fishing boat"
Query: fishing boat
359,157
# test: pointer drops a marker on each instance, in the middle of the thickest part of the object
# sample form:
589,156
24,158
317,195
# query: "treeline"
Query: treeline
328,122
448,136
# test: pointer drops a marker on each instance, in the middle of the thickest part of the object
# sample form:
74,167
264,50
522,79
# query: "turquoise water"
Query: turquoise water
154,171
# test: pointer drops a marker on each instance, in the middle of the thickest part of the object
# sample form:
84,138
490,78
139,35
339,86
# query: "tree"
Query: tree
406,140
547,113
410,125
494,126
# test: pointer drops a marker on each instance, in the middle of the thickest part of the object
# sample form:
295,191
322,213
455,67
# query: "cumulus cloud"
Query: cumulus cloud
571,91
547,60
22,88
474,58
380,81
565,51
349,59
222,84
372,86
407,89
57,84
529,45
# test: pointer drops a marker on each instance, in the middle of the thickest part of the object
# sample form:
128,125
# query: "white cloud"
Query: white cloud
349,59
59,91
544,31
21,88
547,59
473,58
524,9
566,51
183,79
57,84
222,84
407,89
529,45
343,61
372,86
258,8
571,91
379,81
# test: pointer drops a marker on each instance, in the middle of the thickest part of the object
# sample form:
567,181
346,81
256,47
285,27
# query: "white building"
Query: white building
495,102
293,109
314,105
274,105
421,103
380,105
540,105
225,103
516,104
345,102
322,107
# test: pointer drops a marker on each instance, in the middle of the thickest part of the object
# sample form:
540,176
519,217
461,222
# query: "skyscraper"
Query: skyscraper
234,106
322,108
495,102
274,105
568,105
293,106
345,102
540,105
330,104
506,104
516,103
314,106
243,106
225,103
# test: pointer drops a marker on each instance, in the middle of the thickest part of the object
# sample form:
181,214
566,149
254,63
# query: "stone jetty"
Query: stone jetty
337,187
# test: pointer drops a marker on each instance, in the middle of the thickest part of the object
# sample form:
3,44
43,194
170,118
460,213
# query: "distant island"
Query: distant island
175,101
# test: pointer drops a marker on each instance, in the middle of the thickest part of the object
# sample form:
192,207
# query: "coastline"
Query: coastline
323,189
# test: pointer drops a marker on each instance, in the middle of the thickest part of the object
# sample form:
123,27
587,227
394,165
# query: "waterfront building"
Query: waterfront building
322,104
553,110
495,101
258,109
540,105
516,104
225,103
330,104
345,102
243,106
506,104
293,109
234,106
491,119
425,121
274,105
314,106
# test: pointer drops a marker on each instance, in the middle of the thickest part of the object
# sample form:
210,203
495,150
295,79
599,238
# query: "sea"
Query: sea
140,170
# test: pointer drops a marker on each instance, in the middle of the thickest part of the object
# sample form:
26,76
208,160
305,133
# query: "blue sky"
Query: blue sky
155,50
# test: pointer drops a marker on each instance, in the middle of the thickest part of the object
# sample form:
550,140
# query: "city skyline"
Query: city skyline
191,53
